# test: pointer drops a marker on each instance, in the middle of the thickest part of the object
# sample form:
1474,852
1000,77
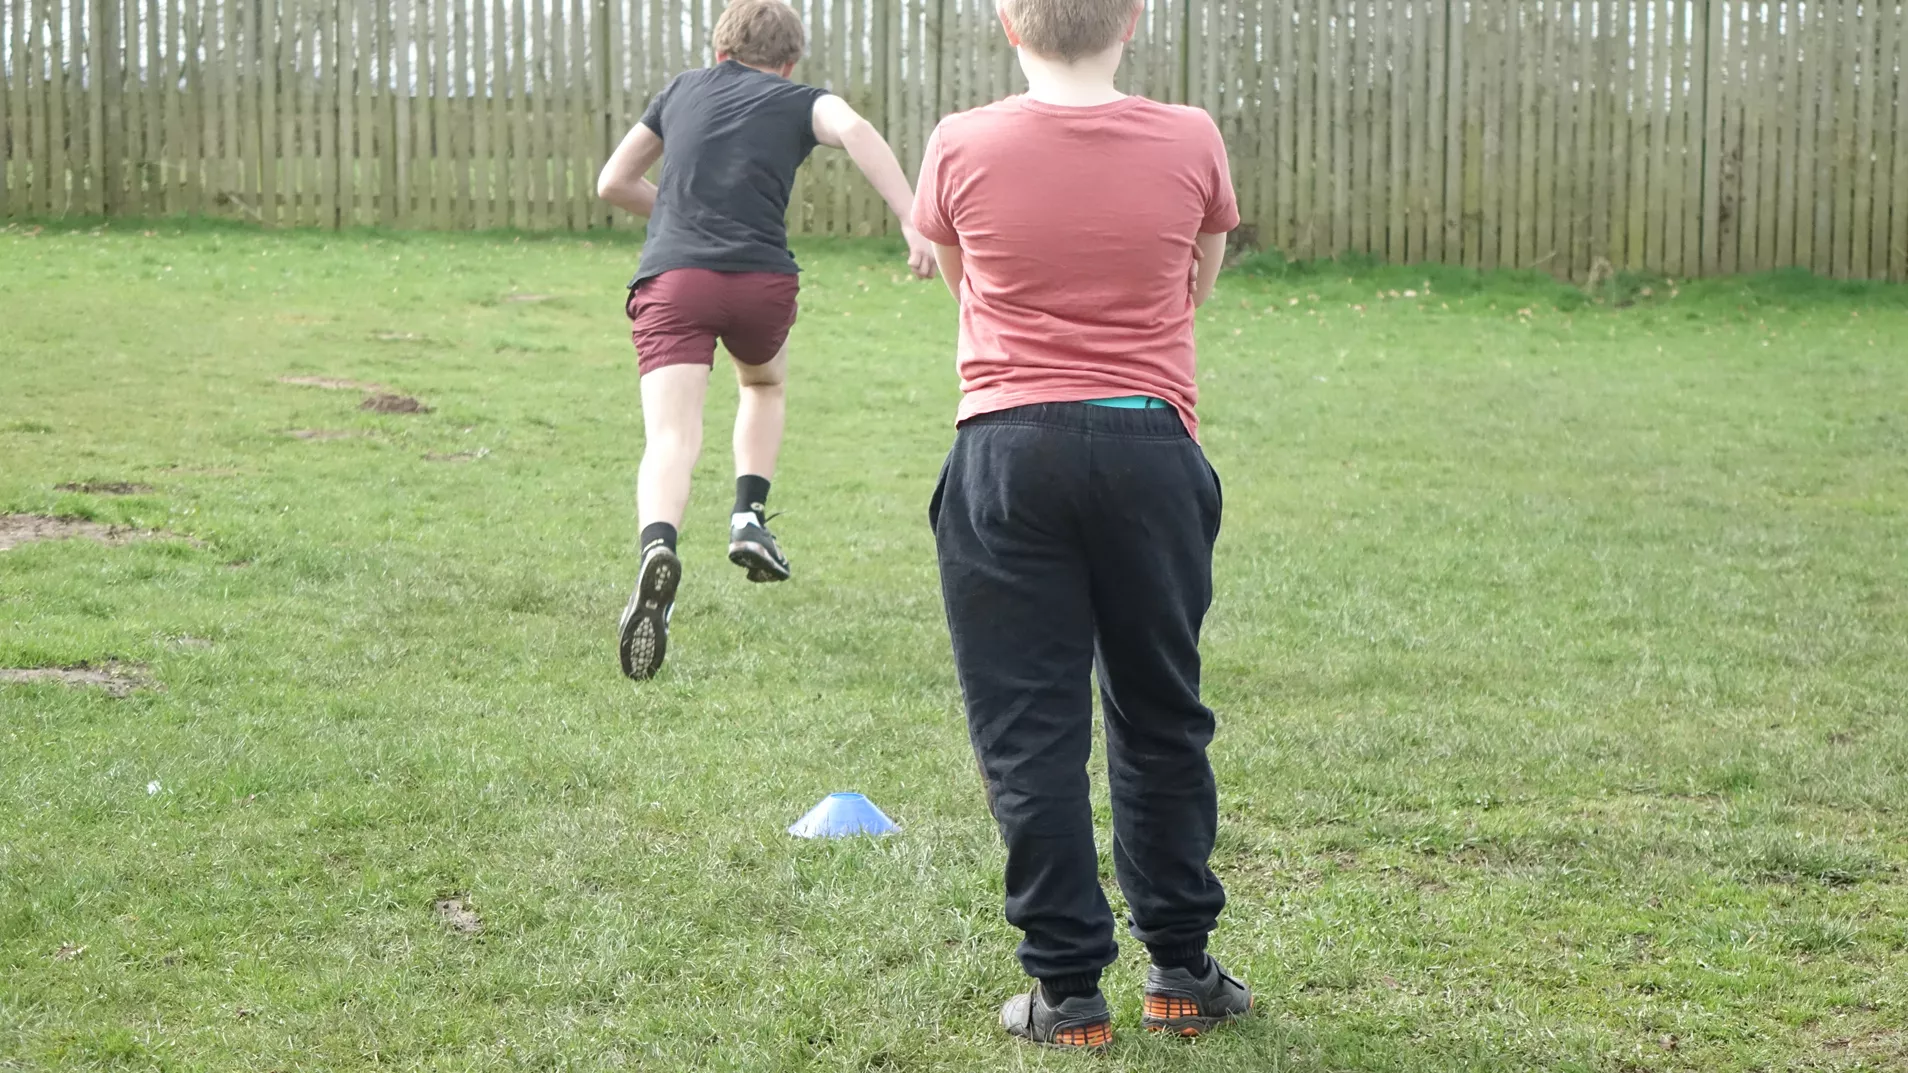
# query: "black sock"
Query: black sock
1060,988
1188,956
658,533
751,494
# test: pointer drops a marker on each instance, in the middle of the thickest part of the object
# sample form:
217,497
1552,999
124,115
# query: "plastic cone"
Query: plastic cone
843,815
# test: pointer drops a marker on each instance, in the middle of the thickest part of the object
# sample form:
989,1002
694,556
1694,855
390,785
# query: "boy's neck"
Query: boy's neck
1084,83
776,71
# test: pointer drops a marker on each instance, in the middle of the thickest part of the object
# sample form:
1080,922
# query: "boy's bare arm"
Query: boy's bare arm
1209,256
952,269
838,125
621,181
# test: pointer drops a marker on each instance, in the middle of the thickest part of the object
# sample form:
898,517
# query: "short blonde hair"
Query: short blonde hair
760,33
1069,29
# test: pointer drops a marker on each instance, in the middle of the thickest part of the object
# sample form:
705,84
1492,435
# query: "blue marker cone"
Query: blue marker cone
843,815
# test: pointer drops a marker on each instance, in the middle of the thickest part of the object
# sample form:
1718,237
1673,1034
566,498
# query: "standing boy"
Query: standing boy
1075,519
716,265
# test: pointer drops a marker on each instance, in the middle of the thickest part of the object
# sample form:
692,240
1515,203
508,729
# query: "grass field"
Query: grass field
1560,654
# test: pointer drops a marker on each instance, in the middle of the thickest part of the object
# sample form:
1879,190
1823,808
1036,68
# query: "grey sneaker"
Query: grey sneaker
753,547
1081,1022
1178,1001
642,636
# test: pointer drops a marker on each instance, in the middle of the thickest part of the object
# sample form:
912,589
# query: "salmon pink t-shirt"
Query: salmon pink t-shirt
1076,228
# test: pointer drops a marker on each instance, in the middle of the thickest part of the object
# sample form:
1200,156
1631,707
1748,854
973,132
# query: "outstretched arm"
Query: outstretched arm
837,124
621,181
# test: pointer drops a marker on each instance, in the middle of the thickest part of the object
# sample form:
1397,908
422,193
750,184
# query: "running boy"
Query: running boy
716,265
1075,518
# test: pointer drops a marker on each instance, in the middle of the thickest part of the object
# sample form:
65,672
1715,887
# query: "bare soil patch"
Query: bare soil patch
117,679
394,404
18,529
105,488
457,915
321,433
332,383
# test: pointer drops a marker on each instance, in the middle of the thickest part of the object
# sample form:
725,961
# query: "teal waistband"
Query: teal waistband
1130,402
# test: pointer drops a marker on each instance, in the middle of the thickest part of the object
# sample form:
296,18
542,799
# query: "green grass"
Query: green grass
1561,653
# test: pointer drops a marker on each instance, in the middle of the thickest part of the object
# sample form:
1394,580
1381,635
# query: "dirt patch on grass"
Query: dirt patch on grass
528,297
117,679
321,433
105,488
457,915
18,529
393,404
332,384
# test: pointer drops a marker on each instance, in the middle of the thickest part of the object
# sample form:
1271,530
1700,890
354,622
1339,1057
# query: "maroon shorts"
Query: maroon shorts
675,318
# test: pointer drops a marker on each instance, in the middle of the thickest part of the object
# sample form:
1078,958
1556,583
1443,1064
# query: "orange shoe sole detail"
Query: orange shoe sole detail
1085,1036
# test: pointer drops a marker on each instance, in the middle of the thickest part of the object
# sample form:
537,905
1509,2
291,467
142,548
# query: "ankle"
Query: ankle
751,495
657,533
1189,956
1058,989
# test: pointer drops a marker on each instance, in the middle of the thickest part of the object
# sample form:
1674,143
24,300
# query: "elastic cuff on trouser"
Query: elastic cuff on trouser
1057,988
1188,956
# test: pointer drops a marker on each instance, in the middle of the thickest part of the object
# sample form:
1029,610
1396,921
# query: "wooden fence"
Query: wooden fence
1675,136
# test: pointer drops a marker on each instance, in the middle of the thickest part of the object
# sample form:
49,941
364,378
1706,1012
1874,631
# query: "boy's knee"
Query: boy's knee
679,441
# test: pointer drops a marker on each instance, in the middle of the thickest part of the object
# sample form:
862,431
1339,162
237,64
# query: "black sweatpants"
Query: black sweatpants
1072,536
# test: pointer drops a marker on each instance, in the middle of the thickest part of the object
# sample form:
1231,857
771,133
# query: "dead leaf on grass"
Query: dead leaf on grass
332,384
394,404
105,488
397,337
18,529
117,679
242,1013
68,952
457,915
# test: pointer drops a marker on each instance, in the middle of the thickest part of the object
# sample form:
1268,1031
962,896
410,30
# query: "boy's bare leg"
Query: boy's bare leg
759,420
761,415
672,440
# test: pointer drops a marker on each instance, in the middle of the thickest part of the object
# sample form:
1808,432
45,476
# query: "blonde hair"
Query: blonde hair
760,33
1069,29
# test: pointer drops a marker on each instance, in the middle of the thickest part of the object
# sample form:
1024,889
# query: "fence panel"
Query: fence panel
1576,136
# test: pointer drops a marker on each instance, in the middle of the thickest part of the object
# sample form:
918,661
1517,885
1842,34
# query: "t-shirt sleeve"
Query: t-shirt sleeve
806,97
931,211
1222,202
653,115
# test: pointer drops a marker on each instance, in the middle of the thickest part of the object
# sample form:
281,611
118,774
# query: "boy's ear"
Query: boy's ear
788,68
1132,24
1013,37
722,57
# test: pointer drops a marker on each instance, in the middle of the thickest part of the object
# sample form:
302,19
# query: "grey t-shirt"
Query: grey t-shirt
732,139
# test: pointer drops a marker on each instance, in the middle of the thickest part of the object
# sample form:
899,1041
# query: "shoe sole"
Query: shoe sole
1089,1040
755,558
1191,1025
643,635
